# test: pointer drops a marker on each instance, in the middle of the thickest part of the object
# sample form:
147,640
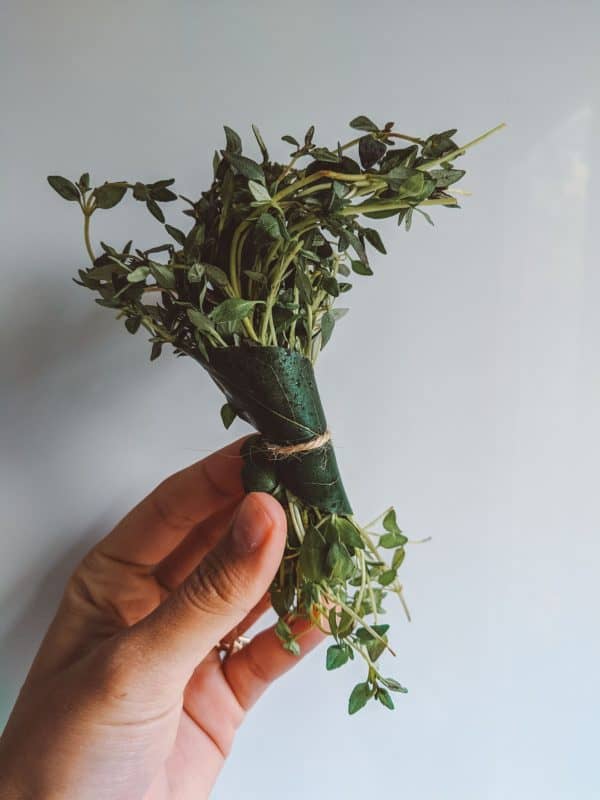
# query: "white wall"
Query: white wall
474,351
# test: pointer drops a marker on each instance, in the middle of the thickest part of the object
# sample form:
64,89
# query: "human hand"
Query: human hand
127,697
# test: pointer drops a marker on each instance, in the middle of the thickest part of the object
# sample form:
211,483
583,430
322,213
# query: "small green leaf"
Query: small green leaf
385,698
394,537
323,154
109,194
246,167
373,237
387,577
234,143
259,277
327,326
370,150
362,123
176,234
359,697
138,275
259,192
133,323
156,350
163,275
268,225
64,187
200,321
337,656
232,310
361,268
331,286
348,534
228,414
393,685
290,140
446,177
339,562
84,182
216,275
312,556
155,209
398,558
262,146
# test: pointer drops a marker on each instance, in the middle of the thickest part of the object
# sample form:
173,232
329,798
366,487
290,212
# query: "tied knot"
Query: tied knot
277,451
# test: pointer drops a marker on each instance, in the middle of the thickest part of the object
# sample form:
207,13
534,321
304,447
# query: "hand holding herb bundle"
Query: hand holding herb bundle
249,292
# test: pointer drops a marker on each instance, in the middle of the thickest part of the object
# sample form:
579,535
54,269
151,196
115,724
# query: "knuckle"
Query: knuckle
215,585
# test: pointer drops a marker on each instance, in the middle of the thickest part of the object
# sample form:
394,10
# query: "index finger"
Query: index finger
152,529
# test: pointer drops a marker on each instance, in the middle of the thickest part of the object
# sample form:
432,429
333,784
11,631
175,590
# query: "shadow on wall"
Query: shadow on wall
20,642
61,387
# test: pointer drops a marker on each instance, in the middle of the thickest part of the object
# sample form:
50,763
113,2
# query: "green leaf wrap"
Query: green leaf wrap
275,390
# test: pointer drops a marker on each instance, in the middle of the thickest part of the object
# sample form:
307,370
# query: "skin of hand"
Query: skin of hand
128,697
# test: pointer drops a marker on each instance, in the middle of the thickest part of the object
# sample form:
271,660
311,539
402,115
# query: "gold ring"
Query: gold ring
226,648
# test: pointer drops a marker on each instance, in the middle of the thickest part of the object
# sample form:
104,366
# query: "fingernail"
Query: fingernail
250,526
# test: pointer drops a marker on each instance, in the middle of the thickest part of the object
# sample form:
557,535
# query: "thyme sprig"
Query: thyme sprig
268,251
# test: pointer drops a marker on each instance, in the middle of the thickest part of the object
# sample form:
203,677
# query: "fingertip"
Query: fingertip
273,509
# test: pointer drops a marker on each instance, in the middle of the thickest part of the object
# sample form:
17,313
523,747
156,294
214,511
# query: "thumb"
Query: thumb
217,596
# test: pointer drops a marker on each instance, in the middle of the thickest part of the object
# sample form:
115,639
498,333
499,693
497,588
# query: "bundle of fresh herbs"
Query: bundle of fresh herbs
249,292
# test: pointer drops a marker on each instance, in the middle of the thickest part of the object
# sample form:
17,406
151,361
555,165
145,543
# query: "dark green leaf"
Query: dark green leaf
162,275
156,350
262,146
176,234
308,137
304,285
64,187
337,656
290,140
228,414
339,562
323,154
155,209
362,123
331,286
373,237
234,143
387,577
133,323
349,534
312,556
385,698
216,275
109,194
359,697
370,150
84,182
361,268
163,195
246,167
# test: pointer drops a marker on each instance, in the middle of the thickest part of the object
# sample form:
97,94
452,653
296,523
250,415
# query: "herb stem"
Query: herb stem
460,150
368,207
86,233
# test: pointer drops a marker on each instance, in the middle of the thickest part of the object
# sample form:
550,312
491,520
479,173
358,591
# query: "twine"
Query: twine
287,450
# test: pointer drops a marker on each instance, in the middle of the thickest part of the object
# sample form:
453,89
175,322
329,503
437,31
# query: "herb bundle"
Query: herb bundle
249,291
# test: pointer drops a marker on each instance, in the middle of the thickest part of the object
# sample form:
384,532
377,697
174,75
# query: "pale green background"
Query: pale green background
473,353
